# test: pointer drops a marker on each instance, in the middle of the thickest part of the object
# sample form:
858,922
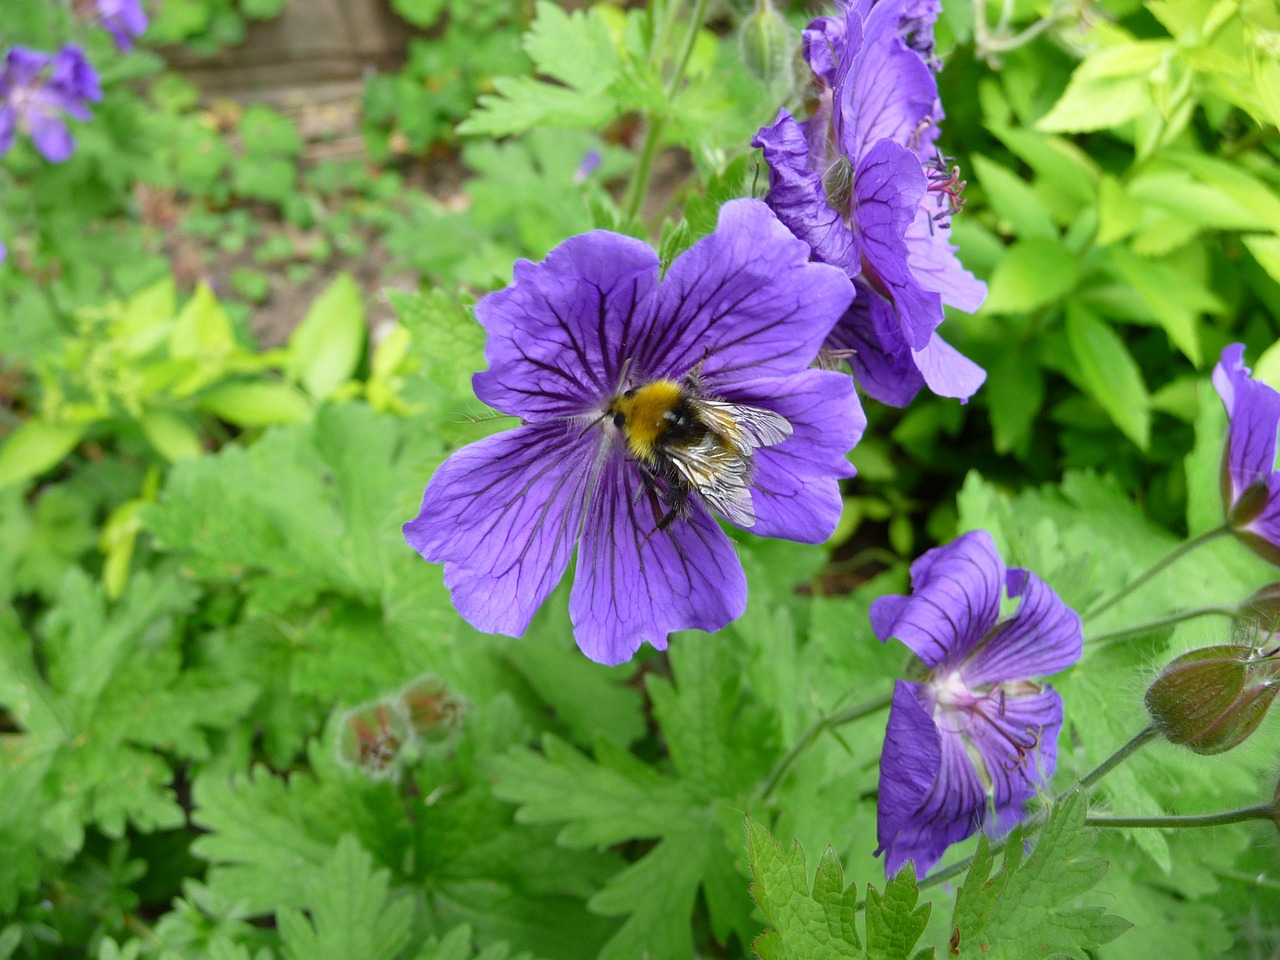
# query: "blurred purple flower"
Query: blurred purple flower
976,738
125,20
36,89
743,312
861,181
1250,481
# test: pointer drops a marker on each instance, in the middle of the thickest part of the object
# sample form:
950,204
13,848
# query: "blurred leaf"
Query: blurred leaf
325,348
36,446
1110,374
1014,201
1109,87
256,404
1175,299
173,436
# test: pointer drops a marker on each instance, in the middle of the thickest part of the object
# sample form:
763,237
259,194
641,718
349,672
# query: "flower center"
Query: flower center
975,714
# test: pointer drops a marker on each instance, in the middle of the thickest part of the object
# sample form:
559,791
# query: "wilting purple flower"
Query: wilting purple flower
36,89
737,320
861,181
125,20
977,737
1250,481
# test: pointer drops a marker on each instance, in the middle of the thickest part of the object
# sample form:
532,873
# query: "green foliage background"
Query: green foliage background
204,591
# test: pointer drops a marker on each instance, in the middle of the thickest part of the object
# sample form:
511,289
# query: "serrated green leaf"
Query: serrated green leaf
352,917
817,924
1031,903
1109,373
325,348
575,48
894,922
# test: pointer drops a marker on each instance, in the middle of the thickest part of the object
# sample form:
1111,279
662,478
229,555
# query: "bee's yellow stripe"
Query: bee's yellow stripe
643,414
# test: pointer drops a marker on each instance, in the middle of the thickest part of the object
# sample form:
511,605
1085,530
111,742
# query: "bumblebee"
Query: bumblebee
684,442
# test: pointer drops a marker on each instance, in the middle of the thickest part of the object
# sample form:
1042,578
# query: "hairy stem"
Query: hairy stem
1160,622
1263,811
1177,553
856,712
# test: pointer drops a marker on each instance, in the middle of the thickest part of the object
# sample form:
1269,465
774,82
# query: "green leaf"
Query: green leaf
1032,273
575,48
1109,373
1029,903
420,13
256,403
1014,393
36,446
894,922
325,348
1013,200
1175,299
351,915
202,332
172,434
1110,87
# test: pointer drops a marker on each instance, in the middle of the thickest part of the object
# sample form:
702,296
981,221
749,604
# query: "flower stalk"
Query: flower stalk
1174,555
810,736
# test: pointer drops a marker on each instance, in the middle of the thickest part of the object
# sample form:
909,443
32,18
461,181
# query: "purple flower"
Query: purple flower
1250,482
645,406
123,19
976,738
863,184
36,89
589,165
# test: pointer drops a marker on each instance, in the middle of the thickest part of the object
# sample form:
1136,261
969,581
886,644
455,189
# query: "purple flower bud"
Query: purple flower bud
1212,699
125,20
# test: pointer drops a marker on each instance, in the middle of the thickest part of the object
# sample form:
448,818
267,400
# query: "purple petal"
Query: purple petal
798,196
954,601
1043,637
796,490
883,365
954,807
8,126
744,301
51,137
909,763
74,76
1253,410
887,189
889,92
635,584
22,66
559,334
502,515
1018,743
934,264
826,43
123,19
947,371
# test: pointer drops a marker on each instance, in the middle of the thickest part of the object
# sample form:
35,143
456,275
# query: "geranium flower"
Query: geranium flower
1250,482
125,20
977,737
36,89
585,335
862,183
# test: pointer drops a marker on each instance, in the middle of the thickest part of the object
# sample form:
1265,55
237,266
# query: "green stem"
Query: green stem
841,717
1161,622
1263,811
690,40
640,178
1137,742
1177,553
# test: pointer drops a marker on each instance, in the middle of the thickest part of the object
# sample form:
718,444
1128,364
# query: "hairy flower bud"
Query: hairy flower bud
373,737
1213,699
767,46
433,711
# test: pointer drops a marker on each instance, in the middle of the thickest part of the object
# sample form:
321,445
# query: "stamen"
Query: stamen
943,180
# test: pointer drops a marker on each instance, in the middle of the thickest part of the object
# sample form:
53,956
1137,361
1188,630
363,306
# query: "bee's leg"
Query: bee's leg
656,496
677,502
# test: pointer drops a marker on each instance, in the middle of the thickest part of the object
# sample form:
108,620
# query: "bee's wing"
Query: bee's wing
744,427
721,475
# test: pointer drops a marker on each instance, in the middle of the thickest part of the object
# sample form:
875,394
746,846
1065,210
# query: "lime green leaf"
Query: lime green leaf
1109,373
894,922
997,917
325,348
575,48
1175,299
352,916
1014,200
202,330
1014,394
256,404
1266,250
1032,273
36,446
172,434
1109,87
